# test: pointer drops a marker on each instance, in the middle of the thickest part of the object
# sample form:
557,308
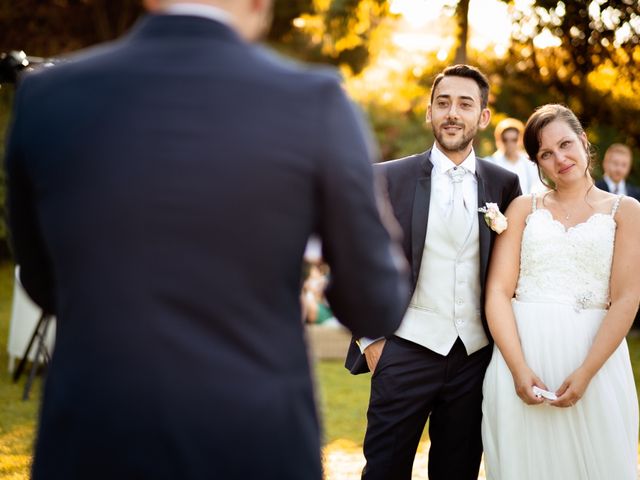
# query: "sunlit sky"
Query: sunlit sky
489,25
428,26
488,19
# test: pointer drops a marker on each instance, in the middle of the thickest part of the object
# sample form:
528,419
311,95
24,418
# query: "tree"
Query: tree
462,20
53,27
338,32
583,54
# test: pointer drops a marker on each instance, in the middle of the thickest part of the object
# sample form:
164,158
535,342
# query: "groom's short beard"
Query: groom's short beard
460,145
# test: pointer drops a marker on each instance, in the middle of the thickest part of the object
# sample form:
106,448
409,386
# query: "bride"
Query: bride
560,300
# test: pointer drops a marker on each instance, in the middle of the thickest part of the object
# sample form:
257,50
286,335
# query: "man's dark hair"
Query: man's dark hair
465,71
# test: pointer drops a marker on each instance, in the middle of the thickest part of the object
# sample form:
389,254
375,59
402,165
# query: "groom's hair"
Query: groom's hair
465,71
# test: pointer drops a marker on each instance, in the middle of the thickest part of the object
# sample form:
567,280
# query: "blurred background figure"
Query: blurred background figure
616,166
511,155
161,211
315,306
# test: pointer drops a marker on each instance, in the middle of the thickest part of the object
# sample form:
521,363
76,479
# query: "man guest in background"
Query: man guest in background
162,189
616,166
433,367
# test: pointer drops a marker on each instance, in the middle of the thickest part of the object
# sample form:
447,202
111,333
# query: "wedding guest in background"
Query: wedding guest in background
616,166
510,155
161,191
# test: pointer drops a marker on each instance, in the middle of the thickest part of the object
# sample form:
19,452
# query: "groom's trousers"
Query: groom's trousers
412,384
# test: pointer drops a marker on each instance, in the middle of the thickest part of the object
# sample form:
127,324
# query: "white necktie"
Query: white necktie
458,217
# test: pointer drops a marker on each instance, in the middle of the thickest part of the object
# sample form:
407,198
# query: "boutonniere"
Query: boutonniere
494,217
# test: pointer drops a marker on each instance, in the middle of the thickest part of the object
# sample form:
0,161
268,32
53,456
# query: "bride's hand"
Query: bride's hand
572,389
524,381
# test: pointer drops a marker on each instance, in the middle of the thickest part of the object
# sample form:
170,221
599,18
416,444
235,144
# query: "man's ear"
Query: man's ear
152,5
485,118
428,115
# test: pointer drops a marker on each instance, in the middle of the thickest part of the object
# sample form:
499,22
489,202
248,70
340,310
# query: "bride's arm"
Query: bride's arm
501,285
625,294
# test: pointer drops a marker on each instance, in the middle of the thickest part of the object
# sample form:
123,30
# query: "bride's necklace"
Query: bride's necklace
566,215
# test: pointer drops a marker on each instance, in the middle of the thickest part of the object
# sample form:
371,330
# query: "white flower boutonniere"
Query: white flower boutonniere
494,217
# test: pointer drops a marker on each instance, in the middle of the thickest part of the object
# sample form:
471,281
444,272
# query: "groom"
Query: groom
433,367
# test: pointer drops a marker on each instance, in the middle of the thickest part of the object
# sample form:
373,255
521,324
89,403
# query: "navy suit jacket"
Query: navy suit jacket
409,186
632,190
161,192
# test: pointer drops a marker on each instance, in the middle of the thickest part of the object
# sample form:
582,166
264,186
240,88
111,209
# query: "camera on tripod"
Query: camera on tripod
14,62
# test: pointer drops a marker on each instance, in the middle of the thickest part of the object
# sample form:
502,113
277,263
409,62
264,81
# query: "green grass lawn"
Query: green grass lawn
342,398
16,417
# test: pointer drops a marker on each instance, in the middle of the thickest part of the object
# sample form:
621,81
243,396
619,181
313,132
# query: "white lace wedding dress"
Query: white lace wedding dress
561,299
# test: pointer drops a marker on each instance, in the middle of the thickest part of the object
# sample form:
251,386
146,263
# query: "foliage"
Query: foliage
47,28
338,32
582,54
17,418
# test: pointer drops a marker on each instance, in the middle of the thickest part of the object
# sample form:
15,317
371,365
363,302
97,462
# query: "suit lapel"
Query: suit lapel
484,232
420,214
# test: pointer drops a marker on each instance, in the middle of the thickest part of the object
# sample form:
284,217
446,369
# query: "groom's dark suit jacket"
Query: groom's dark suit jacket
409,187
161,192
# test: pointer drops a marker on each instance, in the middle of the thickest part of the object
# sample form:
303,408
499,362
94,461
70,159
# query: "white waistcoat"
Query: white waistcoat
446,301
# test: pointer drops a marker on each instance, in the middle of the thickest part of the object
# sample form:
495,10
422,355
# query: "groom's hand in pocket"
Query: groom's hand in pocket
373,352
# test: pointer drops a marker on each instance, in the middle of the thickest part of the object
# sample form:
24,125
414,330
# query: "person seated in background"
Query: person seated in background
314,304
616,166
510,155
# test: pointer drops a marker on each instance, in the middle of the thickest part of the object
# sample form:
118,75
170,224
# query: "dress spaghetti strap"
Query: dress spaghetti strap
616,204
533,202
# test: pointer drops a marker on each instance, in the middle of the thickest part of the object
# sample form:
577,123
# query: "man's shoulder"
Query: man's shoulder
45,81
496,172
633,191
409,162
275,66
602,184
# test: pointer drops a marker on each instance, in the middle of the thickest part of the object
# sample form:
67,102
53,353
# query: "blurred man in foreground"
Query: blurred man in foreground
161,192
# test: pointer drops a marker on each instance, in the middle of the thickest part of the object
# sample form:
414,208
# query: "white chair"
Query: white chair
24,318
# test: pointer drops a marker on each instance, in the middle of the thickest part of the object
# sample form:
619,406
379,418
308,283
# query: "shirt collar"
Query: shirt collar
199,10
611,184
442,163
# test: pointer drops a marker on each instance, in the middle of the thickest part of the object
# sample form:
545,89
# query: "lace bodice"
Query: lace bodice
567,265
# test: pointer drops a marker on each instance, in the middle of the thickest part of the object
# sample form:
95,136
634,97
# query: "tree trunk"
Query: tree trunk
462,18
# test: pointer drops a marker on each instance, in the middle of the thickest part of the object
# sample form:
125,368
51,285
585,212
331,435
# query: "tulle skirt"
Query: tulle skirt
597,439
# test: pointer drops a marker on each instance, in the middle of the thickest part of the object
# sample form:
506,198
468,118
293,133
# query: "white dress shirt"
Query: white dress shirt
525,169
199,10
622,186
442,188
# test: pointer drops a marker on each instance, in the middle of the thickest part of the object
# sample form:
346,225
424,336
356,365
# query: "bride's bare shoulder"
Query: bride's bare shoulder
523,205
628,211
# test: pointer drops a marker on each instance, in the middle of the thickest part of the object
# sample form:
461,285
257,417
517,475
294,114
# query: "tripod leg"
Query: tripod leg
25,357
39,352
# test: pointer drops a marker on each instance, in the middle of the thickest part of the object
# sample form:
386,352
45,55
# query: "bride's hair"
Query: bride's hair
542,117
